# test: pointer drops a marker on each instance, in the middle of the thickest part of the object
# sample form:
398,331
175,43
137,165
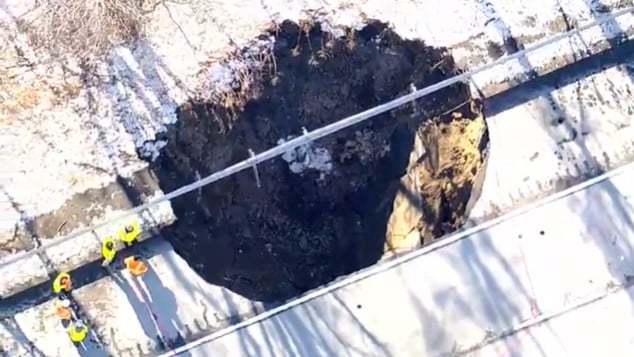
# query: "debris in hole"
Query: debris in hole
307,156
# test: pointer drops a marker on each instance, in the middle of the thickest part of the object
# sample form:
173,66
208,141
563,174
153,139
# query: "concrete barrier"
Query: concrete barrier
87,209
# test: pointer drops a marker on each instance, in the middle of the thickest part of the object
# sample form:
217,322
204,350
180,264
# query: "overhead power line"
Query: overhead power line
317,134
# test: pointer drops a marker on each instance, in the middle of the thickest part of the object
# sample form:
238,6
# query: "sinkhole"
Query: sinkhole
396,181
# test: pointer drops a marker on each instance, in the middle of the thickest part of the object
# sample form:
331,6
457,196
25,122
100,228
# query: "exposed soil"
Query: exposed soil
410,170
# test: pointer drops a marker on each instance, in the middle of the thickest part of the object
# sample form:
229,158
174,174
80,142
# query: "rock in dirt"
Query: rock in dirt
410,169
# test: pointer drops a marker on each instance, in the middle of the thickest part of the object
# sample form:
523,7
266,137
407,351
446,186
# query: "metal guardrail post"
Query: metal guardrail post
255,170
476,92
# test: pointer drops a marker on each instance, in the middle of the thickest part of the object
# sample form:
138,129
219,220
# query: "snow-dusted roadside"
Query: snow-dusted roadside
79,139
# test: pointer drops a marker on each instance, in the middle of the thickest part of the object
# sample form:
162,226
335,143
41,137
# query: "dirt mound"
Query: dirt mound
326,209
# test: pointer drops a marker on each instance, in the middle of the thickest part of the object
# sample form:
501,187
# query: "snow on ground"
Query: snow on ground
472,289
504,23
121,311
71,133
571,334
542,139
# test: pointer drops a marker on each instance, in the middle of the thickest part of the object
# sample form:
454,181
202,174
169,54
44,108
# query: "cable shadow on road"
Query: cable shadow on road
17,336
609,217
153,298
468,293
326,327
502,291
184,309
607,202
143,315
163,303
206,308
369,338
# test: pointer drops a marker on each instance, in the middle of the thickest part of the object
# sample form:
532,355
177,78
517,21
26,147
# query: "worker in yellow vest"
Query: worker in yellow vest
62,283
130,233
108,250
77,332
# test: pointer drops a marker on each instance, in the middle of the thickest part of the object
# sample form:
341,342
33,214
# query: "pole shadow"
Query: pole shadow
11,326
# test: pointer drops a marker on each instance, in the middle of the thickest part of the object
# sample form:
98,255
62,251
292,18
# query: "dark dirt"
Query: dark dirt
299,231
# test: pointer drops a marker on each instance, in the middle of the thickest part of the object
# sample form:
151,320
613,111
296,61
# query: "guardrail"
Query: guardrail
319,133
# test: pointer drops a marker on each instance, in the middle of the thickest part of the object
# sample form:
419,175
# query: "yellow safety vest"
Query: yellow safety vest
108,254
77,335
57,283
129,237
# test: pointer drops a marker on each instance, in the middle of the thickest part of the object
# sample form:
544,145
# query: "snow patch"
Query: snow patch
495,28
307,157
218,79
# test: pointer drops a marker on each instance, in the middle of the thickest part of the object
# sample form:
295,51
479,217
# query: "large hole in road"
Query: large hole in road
395,181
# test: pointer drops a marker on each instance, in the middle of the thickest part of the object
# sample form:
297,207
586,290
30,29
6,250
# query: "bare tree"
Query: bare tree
84,28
